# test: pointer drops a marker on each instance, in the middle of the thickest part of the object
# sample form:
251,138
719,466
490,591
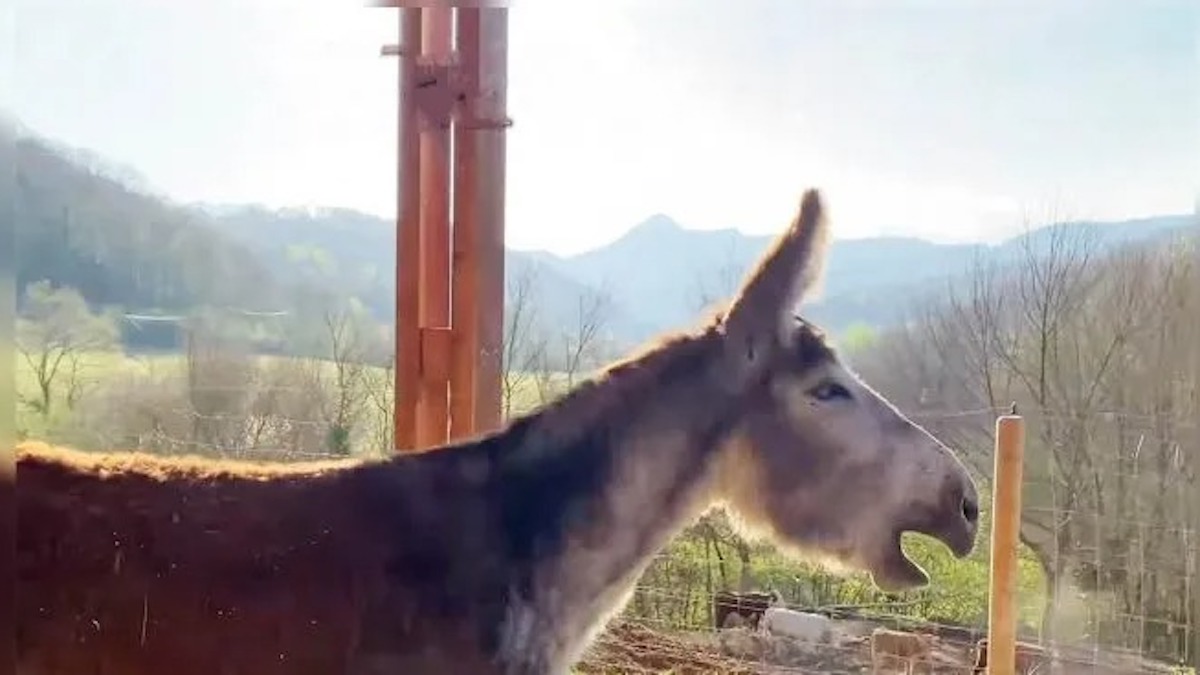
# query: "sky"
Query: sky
952,120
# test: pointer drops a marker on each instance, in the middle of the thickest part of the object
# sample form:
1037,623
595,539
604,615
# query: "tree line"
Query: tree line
1099,352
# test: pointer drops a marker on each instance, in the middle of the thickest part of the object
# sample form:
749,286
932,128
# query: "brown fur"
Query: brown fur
144,563
7,537
503,554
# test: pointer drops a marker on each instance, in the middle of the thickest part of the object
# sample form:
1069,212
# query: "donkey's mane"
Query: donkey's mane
609,396
165,468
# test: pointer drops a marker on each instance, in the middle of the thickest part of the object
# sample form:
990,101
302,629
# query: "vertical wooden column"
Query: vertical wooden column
449,281
479,221
490,156
1006,527
407,371
465,264
434,311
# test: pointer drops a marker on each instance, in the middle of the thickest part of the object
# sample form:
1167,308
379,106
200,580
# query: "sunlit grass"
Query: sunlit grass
100,367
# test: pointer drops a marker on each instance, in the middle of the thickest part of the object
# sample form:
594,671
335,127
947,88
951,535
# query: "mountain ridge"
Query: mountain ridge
862,278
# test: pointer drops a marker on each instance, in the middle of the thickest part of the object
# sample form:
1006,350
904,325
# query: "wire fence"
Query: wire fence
1107,577
1108,565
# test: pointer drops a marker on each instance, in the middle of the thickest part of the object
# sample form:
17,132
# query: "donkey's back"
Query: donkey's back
134,564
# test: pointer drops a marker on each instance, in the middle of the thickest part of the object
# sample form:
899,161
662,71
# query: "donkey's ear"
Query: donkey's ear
761,317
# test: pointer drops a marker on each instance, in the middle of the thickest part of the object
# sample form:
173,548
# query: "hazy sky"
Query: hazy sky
948,119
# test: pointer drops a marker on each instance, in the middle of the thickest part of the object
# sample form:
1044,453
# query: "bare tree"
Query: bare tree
1151,454
222,403
583,345
1096,349
524,340
380,391
347,344
579,348
56,338
220,384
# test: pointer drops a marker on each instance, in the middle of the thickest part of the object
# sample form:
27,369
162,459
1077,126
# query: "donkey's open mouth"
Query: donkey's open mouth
955,526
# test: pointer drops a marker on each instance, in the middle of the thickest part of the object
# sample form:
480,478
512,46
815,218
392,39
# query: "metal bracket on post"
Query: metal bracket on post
439,90
485,123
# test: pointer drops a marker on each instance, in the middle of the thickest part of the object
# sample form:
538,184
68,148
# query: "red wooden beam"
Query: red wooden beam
465,263
490,122
450,281
408,256
434,105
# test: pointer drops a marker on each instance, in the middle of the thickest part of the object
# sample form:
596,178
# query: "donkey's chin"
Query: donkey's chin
893,571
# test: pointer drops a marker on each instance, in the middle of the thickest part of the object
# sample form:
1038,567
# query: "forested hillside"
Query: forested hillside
355,253
78,226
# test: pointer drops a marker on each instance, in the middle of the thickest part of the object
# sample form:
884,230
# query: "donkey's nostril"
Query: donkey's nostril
970,510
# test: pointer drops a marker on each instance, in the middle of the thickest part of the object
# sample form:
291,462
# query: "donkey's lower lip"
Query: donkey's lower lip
960,540
962,546
896,571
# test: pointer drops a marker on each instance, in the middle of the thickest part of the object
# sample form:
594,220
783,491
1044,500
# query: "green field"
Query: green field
99,370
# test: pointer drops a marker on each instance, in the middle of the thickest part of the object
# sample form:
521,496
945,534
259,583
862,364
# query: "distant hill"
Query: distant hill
661,270
78,223
355,253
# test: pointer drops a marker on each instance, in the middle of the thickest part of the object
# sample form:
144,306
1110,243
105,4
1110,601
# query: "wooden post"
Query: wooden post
465,264
490,152
432,403
1006,525
479,149
449,280
407,373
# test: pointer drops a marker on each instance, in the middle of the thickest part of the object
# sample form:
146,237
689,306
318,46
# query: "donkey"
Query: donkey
503,554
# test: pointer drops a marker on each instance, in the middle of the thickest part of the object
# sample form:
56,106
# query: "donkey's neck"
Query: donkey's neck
589,511
654,492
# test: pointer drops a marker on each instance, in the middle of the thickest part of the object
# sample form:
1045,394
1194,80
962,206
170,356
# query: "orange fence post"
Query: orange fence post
1006,526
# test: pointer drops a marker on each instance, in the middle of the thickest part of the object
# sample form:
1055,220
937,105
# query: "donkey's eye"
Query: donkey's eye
829,391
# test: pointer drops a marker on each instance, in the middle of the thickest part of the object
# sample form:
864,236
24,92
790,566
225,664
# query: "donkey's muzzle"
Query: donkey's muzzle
958,522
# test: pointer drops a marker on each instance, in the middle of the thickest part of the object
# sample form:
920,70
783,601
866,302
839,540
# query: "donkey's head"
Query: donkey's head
820,460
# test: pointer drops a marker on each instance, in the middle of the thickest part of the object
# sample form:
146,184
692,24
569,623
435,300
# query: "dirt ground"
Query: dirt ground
630,648
638,650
